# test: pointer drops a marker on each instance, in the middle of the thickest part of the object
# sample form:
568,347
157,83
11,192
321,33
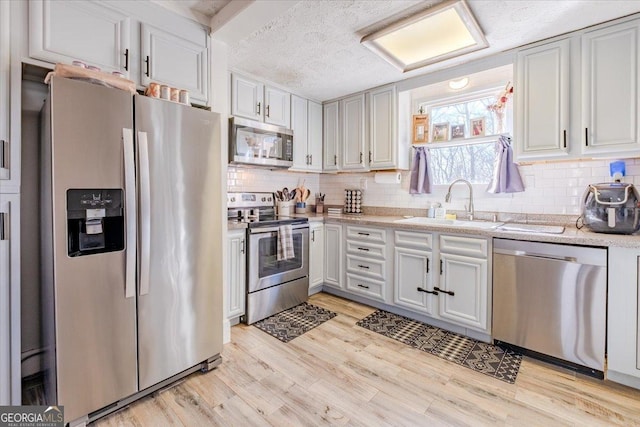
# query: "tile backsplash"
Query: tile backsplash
551,188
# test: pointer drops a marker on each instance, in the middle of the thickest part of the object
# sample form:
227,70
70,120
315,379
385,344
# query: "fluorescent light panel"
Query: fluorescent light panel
441,32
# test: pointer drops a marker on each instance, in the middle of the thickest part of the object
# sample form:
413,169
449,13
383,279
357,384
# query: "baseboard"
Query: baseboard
625,379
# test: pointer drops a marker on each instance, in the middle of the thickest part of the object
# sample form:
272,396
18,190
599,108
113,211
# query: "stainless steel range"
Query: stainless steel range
272,285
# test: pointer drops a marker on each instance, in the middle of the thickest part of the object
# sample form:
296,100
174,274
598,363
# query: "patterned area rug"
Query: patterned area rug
295,321
481,357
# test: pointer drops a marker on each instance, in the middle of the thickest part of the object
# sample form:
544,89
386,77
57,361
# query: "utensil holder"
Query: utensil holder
285,208
319,205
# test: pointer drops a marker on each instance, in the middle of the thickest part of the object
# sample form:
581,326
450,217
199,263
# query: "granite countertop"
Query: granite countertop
571,234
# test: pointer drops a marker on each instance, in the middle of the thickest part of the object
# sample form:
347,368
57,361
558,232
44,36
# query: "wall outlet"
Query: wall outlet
363,183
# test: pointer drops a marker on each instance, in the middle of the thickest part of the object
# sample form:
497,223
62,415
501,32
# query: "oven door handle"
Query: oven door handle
260,230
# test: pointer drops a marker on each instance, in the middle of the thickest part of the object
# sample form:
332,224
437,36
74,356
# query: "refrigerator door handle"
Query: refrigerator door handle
131,212
145,212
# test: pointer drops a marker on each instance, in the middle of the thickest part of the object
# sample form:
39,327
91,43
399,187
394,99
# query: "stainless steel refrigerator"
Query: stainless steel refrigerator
132,298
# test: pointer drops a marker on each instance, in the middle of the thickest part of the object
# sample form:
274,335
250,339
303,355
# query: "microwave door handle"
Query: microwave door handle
145,212
130,212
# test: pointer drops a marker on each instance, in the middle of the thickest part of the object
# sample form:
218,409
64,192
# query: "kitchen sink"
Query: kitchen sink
420,220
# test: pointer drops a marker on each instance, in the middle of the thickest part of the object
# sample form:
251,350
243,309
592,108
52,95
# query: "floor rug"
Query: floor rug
481,357
295,321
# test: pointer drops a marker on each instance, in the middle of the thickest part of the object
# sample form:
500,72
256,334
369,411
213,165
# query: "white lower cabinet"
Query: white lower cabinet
9,298
333,255
366,257
463,290
236,288
316,257
413,282
623,326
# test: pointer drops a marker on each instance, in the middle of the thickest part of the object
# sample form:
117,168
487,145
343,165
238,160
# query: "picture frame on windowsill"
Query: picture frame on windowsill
440,132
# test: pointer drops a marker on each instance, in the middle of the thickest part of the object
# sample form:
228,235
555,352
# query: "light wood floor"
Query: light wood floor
341,374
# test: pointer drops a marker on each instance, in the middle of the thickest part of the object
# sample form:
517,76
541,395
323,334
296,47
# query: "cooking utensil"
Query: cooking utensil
285,194
279,195
306,194
292,195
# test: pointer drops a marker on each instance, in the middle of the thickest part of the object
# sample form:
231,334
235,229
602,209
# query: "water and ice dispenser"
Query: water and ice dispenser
95,221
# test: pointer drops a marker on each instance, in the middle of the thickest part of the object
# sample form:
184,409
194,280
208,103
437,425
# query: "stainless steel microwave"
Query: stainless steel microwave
262,144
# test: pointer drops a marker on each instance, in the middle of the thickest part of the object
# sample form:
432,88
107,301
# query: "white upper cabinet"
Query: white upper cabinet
277,107
9,177
577,97
610,89
175,60
314,143
331,136
354,139
143,41
306,123
543,100
300,127
383,151
92,32
253,100
247,97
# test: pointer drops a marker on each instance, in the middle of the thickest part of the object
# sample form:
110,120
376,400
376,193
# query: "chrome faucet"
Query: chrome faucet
448,196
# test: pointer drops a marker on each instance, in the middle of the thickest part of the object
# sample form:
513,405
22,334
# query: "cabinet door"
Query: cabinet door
246,98
236,283
277,109
176,61
92,32
543,102
314,141
299,125
623,324
316,257
352,123
463,285
382,128
333,255
9,177
10,381
331,136
413,285
610,89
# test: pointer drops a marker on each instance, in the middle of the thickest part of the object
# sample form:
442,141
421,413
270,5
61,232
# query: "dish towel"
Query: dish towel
421,172
285,243
506,177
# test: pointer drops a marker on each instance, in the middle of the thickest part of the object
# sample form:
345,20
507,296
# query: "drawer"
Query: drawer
370,267
367,234
413,239
469,246
365,286
366,249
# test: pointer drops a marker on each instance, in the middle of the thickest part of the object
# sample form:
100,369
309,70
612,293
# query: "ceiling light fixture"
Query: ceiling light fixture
441,32
459,84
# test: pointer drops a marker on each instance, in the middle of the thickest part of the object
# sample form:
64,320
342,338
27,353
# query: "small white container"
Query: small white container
165,92
184,97
286,208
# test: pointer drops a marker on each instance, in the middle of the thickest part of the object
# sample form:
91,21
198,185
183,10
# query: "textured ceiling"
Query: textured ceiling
314,50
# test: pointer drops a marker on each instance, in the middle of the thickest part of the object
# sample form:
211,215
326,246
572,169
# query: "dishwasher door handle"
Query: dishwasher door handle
534,255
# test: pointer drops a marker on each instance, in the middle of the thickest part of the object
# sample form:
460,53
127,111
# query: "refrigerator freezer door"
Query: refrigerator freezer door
95,324
180,307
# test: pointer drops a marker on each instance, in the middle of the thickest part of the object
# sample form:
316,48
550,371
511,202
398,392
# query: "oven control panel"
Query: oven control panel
250,200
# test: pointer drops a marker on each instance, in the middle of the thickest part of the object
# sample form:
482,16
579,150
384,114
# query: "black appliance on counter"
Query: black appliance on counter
611,208
272,285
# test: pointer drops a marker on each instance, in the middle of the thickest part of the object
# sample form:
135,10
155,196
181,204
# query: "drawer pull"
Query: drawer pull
363,249
427,292
363,266
363,286
443,291
363,234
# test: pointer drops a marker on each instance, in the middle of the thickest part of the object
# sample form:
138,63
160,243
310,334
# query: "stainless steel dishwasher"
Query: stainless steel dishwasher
550,300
